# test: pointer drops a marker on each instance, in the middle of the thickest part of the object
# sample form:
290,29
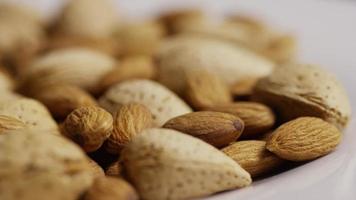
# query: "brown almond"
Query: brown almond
257,117
8,123
89,127
243,88
216,128
62,99
205,89
253,156
130,68
108,188
304,138
129,121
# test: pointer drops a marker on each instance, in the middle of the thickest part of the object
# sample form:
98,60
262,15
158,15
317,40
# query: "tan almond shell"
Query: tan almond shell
109,188
296,90
304,138
38,166
95,168
78,16
231,63
253,156
88,126
257,117
114,169
32,113
77,66
8,123
167,164
129,120
216,128
162,103
6,81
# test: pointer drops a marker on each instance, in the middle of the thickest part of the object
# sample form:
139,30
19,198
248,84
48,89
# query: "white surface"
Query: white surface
327,36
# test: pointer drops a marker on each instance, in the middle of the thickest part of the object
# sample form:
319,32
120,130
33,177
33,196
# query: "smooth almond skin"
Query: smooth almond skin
129,120
8,123
205,89
78,17
231,63
31,112
167,164
253,156
296,90
109,188
81,67
132,67
37,166
62,99
303,139
89,127
216,128
257,117
162,103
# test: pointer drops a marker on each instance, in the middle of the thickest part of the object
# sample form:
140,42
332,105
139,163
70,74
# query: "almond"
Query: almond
108,188
62,99
89,127
304,138
216,128
31,112
75,66
253,156
131,67
38,166
257,117
162,103
8,123
205,89
167,164
78,16
230,63
243,89
295,90
129,120
6,81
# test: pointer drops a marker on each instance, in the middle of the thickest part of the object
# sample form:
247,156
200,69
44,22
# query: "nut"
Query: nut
304,138
8,123
257,117
205,89
89,127
129,120
75,66
130,68
216,128
162,103
95,168
295,90
231,63
37,166
167,164
243,88
63,99
253,156
108,188
30,112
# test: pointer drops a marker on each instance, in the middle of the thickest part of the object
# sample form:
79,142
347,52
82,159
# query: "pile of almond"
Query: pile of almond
95,107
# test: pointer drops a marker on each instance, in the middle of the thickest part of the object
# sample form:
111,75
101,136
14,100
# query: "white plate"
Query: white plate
327,36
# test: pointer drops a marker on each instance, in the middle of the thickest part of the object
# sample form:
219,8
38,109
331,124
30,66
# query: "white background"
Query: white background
326,31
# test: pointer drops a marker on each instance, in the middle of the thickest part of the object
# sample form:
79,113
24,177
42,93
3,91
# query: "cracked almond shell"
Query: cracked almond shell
296,90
